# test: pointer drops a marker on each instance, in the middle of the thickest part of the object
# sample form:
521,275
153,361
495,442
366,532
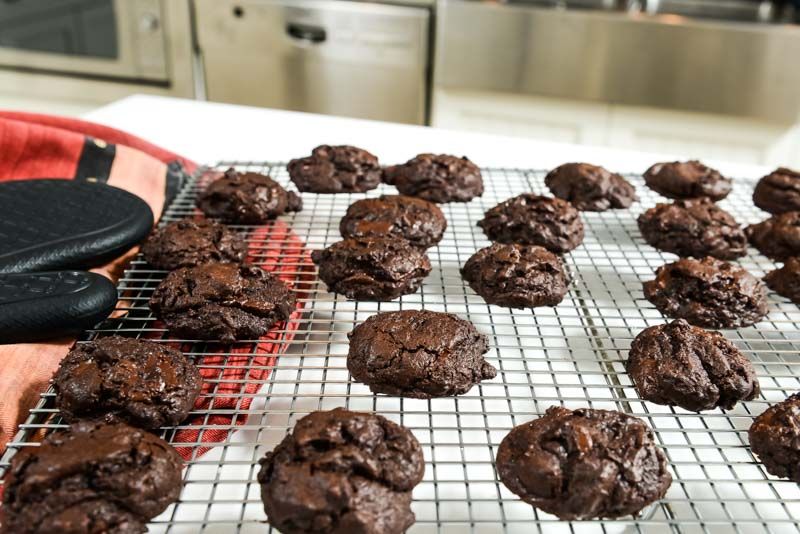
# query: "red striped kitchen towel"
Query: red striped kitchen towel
38,146
233,375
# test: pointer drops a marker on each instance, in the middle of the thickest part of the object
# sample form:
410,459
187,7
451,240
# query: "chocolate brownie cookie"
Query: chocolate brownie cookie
516,276
143,383
774,436
191,242
778,192
786,280
418,221
695,227
687,179
418,353
778,237
340,471
336,169
221,301
380,268
584,464
710,293
589,187
530,219
437,177
91,479
677,364
247,198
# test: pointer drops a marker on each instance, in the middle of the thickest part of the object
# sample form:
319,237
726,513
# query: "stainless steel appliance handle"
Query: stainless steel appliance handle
306,33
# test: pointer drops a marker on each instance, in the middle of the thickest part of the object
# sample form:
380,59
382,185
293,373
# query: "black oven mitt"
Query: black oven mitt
48,226
37,306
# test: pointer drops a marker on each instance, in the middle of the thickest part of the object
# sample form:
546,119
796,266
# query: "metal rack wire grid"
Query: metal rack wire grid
571,355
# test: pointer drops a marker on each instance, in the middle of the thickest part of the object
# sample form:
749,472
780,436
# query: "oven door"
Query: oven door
121,39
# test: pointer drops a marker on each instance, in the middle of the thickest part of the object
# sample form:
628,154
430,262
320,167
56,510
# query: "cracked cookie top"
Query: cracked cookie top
584,464
437,177
91,477
785,281
372,268
677,364
191,242
416,220
418,353
530,219
778,237
778,192
774,437
710,293
695,228
342,471
221,301
590,187
143,383
687,179
247,198
336,169
516,276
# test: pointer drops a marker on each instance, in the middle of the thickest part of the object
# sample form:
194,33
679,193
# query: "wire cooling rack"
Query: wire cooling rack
570,355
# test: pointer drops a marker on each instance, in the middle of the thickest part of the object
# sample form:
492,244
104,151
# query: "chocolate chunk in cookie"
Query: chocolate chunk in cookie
710,293
437,177
418,221
530,219
221,301
786,280
778,192
140,382
191,242
696,227
418,353
247,198
589,187
687,179
677,364
336,169
380,268
516,276
340,471
584,464
778,237
774,436
91,478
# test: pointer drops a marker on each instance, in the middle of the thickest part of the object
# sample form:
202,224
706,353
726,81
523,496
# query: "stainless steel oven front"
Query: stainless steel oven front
113,39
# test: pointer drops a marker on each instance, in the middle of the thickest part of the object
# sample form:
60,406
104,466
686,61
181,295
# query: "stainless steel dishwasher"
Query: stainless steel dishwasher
357,59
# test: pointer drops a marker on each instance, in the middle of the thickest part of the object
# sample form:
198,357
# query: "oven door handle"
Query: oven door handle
306,33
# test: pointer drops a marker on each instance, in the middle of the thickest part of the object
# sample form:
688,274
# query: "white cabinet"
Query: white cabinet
506,114
702,136
689,135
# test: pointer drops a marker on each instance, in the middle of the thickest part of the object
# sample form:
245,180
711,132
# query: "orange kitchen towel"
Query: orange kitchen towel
38,146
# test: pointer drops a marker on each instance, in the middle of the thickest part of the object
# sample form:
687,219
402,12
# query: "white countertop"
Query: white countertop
209,132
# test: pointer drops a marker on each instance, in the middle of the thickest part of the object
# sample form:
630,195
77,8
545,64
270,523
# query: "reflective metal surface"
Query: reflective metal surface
616,5
663,61
103,38
740,10
345,58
